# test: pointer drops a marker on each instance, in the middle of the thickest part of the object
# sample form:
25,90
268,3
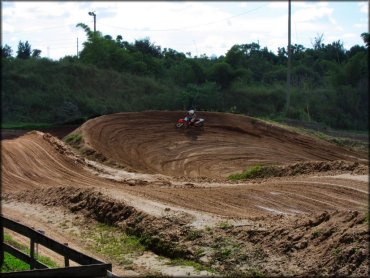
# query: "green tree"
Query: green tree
148,48
36,53
235,56
222,73
366,37
6,51
24,50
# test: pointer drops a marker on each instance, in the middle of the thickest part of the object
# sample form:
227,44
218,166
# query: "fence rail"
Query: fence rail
89,267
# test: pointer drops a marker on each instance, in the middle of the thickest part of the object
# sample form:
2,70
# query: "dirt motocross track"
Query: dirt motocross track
141,160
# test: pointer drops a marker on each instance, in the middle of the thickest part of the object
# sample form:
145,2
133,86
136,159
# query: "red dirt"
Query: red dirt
39,168
148,142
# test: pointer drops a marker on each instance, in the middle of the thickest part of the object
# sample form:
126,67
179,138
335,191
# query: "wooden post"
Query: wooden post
66,260
32,252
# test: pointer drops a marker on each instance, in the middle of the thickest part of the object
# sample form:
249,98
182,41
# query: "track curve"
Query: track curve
147,142
38,160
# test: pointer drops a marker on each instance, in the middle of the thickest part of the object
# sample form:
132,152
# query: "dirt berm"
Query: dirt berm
148,142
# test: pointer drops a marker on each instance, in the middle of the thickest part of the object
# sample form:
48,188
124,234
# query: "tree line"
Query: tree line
329,83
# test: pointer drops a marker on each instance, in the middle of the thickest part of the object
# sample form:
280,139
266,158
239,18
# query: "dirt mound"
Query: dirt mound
38,159
147,142
309,168
334,244
328,243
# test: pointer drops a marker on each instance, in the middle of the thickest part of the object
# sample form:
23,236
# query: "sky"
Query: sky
198,27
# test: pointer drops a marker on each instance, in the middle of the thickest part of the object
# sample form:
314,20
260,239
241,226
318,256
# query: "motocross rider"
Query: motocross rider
191,117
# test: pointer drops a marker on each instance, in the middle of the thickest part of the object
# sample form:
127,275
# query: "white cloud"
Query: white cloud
198,27
360,26
312,13
364,7
278,5
349,35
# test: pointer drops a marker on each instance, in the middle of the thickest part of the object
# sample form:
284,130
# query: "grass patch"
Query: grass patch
337,251
316,233
193,234
14,264
366,218
113,243
73,138
225,225
251,172
26,126
11,264
340,138
223,253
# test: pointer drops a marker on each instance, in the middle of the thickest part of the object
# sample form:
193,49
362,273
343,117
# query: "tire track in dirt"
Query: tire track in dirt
148,142
37,159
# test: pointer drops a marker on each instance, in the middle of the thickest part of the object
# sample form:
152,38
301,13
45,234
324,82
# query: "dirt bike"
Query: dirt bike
183,122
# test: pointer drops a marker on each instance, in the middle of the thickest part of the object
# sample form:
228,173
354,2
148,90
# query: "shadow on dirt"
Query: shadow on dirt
193,133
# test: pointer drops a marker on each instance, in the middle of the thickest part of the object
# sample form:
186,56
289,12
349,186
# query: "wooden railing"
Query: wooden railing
89,267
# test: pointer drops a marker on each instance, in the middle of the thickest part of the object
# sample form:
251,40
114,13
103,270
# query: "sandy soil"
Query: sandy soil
143,162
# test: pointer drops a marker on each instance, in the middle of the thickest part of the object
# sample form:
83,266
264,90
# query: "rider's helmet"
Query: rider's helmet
191,112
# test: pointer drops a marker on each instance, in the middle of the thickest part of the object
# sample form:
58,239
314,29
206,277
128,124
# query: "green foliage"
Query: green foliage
336,251
193,234
25,126
24,50
112,242
16,264
366,219
225,225
316,233
251,172
73,138
329,83
11,264
366,37
6,51
222,74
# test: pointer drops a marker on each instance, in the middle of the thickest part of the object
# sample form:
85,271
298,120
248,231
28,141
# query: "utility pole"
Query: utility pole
94,15
289,62
77,47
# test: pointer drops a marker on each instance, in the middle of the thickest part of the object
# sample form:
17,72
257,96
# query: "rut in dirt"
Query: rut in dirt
147,142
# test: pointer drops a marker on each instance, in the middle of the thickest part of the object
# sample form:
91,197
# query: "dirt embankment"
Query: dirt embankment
147,142
325,243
